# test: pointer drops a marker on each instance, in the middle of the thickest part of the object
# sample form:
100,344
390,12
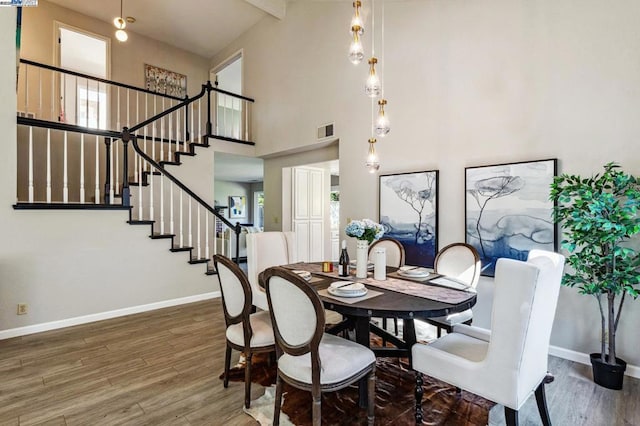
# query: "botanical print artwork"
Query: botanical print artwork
237,206
164,81
409,213
508,211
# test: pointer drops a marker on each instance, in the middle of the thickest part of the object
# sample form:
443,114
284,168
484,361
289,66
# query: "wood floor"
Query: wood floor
162,367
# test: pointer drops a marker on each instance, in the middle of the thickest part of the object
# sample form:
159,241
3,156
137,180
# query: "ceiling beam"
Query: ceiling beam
277,8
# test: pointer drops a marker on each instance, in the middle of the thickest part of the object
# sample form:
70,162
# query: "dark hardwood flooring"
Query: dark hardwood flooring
162,367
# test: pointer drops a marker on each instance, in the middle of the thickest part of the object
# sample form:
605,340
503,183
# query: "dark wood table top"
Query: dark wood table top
389,303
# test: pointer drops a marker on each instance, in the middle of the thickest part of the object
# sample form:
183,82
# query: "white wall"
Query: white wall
224,189
468,83
68,264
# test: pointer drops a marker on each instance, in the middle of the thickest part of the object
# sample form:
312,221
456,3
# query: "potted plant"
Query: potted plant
599,216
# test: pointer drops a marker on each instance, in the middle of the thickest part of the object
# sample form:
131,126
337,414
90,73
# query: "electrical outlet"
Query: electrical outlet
22,308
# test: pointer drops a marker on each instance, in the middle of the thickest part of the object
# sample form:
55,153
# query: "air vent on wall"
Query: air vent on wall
325,131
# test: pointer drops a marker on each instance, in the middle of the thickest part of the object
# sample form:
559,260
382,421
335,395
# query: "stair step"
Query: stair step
211,271
204,145
156,173
161,236
187,153
170,163
137,184
196,261
177,249
141,222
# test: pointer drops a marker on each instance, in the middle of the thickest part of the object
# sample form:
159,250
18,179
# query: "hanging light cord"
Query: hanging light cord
373,28
382,58
121,17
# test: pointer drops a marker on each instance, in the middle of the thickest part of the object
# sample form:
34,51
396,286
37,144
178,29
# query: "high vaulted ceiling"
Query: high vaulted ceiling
203,27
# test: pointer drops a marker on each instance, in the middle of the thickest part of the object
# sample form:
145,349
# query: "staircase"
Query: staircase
80,161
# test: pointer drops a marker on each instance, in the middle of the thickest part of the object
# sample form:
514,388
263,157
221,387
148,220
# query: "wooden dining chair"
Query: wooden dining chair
246,332
461,262
308,358
509,363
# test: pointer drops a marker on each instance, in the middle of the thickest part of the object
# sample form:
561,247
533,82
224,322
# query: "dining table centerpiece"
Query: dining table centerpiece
365,231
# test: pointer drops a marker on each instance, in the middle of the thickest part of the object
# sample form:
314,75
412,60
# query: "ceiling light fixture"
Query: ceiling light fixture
356,52
373,163
120,23
356,21
382,123
372,87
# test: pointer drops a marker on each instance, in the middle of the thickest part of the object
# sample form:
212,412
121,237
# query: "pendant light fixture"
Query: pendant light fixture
356,21
120,23
382,123
373,163
372,87
356,52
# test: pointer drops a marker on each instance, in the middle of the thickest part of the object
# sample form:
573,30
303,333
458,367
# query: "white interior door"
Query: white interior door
308,190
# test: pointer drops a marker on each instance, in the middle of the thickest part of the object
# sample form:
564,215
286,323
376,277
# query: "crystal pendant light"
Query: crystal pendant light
356,52
372,164
382,123
122,35
356,21
372,87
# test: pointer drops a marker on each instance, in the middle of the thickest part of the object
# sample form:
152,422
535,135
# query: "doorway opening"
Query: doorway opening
83,101
228,113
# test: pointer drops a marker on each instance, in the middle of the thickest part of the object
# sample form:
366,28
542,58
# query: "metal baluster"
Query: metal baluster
162,134
153,135
49,166
53,102
162,204
190,230
178,131
116,187
186,133
82,168
118,126
171,208
111,191
140,201
198,230
151,207
206,234
128,106
144,142
31,195
192,132
65,177
96,191
135,163
200,120
181,223
169,158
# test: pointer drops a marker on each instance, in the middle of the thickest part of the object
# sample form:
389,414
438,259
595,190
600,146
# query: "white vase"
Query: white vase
362,257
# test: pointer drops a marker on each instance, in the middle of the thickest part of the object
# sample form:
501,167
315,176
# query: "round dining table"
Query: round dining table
389,304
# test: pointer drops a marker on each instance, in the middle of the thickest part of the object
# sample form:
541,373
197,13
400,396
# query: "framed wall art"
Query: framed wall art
237,206
409,213
166,82
508,211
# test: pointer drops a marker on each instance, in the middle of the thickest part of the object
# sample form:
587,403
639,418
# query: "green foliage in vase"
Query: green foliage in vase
599,218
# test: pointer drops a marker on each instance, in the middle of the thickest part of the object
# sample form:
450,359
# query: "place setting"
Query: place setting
415,273
348,291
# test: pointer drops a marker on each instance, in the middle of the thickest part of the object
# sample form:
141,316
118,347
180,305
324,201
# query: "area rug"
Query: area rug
395,386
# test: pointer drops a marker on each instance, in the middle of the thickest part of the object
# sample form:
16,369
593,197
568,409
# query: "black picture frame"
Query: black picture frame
408,211
508,211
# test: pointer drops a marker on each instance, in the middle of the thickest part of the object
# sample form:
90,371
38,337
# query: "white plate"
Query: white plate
347,286
414,273
338,292
303,274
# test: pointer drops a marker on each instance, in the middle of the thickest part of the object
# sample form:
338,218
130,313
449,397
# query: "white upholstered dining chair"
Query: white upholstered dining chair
509,363
246,332
394,251
308,358
264,250
461,262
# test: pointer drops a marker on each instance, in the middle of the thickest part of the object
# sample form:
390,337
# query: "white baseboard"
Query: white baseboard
54,325
582,358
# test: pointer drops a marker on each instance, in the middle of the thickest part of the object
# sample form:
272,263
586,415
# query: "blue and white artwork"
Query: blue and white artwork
409,213
508,211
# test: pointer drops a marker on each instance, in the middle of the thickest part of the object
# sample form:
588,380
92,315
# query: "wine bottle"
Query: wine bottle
343,262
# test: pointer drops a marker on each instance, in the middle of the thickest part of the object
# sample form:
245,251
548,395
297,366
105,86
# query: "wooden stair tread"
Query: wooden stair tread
179,249
141,222
196,261
161,236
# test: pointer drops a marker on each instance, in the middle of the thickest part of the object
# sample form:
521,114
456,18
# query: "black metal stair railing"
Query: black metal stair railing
158,140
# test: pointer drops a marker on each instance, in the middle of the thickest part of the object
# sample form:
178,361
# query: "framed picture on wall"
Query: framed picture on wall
508,211
409,213
237,206
166,82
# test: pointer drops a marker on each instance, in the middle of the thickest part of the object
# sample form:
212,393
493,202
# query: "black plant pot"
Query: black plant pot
607,375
